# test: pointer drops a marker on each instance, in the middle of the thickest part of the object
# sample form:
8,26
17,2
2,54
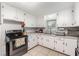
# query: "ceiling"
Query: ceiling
41,8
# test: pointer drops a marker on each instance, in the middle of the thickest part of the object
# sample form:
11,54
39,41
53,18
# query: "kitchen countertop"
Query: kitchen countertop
71,37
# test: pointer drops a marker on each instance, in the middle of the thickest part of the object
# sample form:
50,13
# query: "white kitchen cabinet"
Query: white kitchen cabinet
59,44
34,36
64,45
40,22
20,15
8,12
30,21
2,50
41,39
32,40
45,41
51,42
12,13
65,18
0,41
76,13
69,46
0,33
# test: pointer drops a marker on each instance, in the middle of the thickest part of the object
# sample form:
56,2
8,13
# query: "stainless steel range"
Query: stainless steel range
16,43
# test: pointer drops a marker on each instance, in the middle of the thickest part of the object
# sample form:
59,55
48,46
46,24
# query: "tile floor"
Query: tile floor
42,51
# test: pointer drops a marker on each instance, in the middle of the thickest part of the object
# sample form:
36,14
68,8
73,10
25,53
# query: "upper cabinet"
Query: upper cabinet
30,21
20,15
69,17
76,13
65,18
11,13
40,22
8,12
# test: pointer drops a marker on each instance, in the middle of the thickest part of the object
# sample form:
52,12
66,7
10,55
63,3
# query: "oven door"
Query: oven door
18,43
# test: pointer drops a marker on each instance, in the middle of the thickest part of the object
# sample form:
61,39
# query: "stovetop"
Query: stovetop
15,34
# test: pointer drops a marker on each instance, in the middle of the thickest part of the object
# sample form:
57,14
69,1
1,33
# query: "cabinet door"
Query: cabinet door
59,44
29,21
69,47
46,41
76,13
0,33
40,22
20,15
8,12
2,50
51,42
41,40
34,39
30,41
65,18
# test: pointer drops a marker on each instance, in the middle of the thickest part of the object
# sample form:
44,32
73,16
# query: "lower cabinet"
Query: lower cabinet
69,46
2,50
58,44
51,43
45,41
64,45
40,39
61,44
32,41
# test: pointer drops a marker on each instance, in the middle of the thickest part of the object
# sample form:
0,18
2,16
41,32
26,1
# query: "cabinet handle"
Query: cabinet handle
72,10
2,6
63,43
63,50
54,47
37,37
72,24
66,44
55,41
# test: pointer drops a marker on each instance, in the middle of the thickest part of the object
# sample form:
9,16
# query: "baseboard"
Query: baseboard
54,50
33,47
